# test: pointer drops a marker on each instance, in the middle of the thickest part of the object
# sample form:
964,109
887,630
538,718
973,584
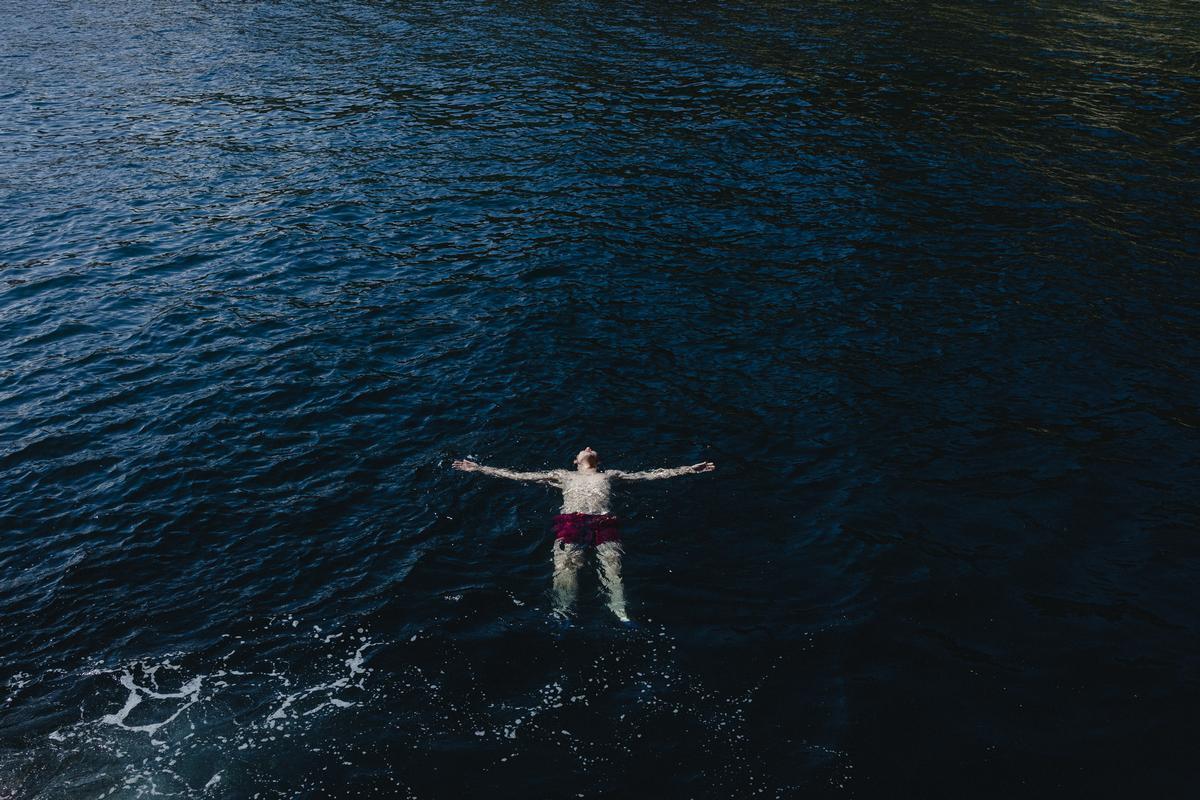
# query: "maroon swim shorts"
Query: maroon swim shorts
586,529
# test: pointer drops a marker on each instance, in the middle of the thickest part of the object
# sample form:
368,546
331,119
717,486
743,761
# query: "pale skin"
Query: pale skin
586,490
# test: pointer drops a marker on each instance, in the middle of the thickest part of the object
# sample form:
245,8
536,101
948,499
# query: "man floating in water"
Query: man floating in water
586,519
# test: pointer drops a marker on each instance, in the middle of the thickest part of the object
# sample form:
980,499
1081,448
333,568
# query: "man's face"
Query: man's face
587,458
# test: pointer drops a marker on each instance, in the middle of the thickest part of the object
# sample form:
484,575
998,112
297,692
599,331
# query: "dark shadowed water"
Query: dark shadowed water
920,277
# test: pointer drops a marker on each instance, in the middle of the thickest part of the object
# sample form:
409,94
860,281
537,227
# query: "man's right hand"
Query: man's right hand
704,466
465,465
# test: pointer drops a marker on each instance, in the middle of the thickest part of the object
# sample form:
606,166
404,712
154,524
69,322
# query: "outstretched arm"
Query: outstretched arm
658,474
538,477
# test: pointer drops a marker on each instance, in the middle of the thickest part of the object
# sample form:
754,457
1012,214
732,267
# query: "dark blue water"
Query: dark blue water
920,278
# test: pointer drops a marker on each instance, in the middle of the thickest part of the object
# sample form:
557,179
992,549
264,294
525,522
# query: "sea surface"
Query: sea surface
921,278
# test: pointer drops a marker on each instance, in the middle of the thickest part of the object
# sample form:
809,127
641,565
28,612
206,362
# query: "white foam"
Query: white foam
356,668
158,698
190,691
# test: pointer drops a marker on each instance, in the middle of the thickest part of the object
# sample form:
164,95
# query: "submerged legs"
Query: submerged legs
608,558
568,558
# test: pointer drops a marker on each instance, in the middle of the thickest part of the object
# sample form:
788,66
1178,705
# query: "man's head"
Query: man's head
587,459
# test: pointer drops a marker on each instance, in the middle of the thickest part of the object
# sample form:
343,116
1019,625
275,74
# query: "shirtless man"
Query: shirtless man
586,519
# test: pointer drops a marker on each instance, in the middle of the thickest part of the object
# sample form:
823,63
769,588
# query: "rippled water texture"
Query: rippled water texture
919,277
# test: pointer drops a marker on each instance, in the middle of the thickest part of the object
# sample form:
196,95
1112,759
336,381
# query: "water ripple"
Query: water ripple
917,279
